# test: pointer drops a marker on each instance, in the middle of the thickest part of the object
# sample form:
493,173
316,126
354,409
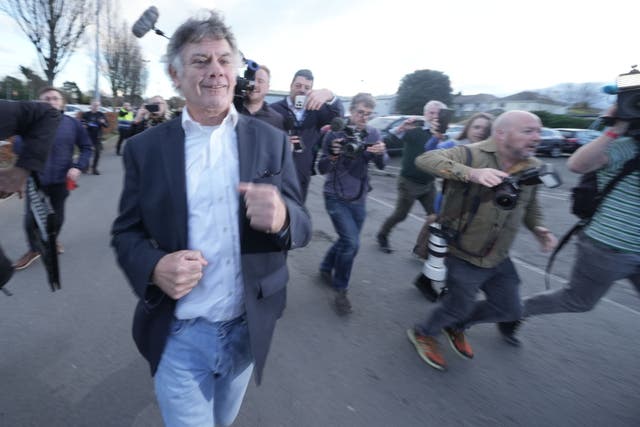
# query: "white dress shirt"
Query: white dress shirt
212,169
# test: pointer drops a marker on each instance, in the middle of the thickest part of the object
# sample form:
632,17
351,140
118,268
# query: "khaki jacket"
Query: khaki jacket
484,238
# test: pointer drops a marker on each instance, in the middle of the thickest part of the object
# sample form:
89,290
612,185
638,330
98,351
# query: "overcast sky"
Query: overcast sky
492,46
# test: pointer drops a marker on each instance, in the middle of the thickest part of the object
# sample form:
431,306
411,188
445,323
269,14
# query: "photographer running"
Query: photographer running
609,246
481,231
346,152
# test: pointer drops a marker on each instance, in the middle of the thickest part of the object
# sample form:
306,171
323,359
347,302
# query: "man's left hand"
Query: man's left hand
266,210
546,238
377,148
317,98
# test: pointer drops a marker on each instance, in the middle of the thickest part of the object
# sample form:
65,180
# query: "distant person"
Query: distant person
60,172
305,112
413,183
209,208
95,120
125,118
345,159
254,103
36,123
478,257
608,247
151,114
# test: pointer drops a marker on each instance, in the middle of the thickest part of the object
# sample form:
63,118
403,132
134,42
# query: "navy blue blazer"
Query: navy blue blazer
152,222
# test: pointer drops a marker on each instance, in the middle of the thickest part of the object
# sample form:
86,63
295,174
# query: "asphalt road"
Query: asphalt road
67,358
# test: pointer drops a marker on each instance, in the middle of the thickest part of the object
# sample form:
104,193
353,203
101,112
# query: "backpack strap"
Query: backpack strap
629,166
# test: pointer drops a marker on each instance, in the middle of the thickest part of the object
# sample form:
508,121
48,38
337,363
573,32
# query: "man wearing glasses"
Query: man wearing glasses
344,159
305,112
413,184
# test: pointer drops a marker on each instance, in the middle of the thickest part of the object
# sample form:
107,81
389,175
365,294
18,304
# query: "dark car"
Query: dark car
576,138
551,142
384,124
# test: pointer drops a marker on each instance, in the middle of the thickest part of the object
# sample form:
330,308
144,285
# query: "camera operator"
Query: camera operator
609,246
306,111
344,159
152,113
94,120
481,232
254,104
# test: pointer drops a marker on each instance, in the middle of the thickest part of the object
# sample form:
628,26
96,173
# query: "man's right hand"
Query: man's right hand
179,272
488,177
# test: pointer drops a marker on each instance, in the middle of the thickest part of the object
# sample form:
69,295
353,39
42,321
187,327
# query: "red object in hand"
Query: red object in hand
71,184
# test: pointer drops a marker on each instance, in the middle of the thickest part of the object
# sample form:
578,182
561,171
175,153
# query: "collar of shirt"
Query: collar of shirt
190,125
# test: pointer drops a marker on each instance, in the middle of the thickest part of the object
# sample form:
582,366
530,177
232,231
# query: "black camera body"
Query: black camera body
353,143
508,191
246,83
152,108
629,95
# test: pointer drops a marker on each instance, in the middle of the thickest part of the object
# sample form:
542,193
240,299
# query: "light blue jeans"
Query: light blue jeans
204,372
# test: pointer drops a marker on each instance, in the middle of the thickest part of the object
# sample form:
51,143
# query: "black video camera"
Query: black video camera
507,193
629,95
246,83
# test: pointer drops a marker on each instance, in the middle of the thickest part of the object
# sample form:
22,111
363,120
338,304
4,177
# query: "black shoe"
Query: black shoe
383,241
343,305
424,285
6,270
508,331
96,172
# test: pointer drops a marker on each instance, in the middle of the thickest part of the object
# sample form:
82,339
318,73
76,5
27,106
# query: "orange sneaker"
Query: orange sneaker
428,349
459,343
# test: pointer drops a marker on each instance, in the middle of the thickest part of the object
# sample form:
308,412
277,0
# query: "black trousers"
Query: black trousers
57,194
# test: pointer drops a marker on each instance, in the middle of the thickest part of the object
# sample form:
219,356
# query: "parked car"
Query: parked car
384,124
575,138
73,110
551,142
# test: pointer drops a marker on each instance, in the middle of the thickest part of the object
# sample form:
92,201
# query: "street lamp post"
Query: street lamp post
96,94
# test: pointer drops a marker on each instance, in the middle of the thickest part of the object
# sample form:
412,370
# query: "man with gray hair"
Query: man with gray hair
209,208
413,184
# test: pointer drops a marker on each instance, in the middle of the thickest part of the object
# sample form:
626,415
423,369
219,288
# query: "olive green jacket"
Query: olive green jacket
483,238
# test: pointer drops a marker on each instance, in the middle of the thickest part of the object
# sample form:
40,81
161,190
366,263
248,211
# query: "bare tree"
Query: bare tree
123,64
54,27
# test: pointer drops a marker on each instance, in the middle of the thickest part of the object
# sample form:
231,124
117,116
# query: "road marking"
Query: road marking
518,261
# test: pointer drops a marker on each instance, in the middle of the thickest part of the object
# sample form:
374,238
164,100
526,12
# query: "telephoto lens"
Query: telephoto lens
433,269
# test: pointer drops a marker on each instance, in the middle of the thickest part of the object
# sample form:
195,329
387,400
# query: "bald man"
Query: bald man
478,257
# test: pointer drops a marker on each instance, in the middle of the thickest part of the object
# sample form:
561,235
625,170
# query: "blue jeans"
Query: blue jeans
204,372
347,218
459,308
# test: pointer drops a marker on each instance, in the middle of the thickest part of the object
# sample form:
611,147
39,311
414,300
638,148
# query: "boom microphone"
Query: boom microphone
147,22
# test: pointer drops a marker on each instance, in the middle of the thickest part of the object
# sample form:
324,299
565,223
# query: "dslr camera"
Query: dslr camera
353,142
507,193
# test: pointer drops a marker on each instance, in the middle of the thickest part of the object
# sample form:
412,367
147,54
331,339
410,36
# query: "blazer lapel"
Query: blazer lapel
173,159
247,149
